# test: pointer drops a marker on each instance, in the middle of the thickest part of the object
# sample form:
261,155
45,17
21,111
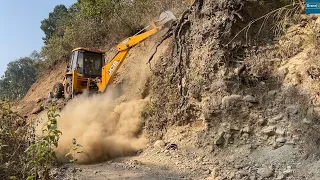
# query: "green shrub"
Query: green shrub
41,152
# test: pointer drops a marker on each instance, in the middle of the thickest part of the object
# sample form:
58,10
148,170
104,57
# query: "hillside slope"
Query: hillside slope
211,111
39,91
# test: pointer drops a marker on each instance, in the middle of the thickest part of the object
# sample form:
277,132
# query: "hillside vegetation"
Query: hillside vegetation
86,23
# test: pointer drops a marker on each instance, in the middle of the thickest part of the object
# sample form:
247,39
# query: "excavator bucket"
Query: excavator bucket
166,18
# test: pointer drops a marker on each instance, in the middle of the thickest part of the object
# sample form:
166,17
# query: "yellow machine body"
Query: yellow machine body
88,70
77,81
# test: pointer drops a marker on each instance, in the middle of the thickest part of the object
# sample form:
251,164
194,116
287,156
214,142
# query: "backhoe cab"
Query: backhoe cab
82,73
88,71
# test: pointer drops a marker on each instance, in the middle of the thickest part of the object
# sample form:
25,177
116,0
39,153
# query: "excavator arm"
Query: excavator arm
123,48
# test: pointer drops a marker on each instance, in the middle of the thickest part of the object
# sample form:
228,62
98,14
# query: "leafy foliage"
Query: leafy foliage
96,24
73,151
86,23
41,152
19,77
23,154
55,24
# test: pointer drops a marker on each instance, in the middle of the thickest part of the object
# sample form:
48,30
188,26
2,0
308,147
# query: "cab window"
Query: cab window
93,64
80,66
74,60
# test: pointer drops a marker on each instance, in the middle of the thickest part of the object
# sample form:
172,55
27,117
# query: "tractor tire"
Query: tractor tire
68,94
57,91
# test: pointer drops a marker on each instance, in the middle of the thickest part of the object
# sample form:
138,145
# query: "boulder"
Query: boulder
281,140
229,101
269,130
159,144
219,140
275,119
280,132
250,99
265,172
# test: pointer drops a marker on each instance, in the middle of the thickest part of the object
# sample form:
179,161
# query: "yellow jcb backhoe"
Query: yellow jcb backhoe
89,72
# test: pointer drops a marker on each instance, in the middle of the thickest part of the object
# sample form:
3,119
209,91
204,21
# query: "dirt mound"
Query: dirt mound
41,88
34,100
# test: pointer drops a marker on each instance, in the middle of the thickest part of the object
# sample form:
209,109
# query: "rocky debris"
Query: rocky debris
272,92
246,129
306,121
40,100
232,100
214,172
199,159
280,176
208,171
270,130
311,115
295,137
250,99
283,72
254,116
48,101
241,174
288,171
262,121
228,138
275,119
139,152
290,142
265,172
280,132
234,128
37,110
172,147
159,144
209,178
292,110
281,140
219,139
219,178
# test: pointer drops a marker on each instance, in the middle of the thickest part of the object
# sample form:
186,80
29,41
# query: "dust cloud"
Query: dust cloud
104,128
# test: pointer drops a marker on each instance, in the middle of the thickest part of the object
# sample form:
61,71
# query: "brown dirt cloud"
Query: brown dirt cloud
104,128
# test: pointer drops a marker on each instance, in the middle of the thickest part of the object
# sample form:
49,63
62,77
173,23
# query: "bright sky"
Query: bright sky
20,32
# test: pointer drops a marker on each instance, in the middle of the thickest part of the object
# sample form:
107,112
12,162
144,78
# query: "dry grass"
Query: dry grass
12,144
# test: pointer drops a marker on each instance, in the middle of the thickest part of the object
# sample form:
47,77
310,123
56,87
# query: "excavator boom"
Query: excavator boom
124,47
86,70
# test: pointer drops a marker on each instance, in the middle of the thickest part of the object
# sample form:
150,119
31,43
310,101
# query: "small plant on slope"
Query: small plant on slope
73,151
41,152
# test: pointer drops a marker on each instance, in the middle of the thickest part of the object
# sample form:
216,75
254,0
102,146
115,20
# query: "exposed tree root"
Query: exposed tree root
179,30
175,29
284,13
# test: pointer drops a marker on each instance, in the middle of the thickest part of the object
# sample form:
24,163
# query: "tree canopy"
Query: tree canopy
18,77
55,24
86,23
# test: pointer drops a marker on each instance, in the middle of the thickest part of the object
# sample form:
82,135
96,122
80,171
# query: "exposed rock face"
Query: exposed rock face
218,81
